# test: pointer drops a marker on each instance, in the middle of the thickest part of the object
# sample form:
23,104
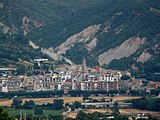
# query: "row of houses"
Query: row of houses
64,81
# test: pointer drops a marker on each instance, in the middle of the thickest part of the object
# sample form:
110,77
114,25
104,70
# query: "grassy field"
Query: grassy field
15,112
66,99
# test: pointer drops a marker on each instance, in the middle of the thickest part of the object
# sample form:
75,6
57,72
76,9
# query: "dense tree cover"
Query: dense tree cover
21,69
15,47
17,103
121,64
155,92
123,18
39,94
38,111
152,69
125,77
28,104
77,104
87,93
138,92
77,53
55,117
75,93
58,93
74,18
4,115
58,104
115,109
147,104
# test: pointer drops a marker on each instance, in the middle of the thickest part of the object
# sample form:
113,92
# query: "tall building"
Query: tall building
83,68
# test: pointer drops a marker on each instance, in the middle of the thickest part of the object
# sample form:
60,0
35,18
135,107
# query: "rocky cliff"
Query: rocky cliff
83,36
126,49
102,31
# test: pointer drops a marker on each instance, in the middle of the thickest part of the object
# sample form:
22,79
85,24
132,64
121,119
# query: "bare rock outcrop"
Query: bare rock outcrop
4,28
55,56
28,24
155,11
50,52
1,5
90,46
33,45
126,49
145,56
82,36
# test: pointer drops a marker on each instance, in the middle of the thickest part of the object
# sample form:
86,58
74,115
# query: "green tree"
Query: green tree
38,111
21,69
82,116
77,104
58,104
29,104
85,95
125,77
55,117
103,99
121,117
4,115
67,104
16,102
115,109
36,66
155,91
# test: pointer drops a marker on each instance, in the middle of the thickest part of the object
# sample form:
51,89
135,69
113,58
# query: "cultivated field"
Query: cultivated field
66,99
136,111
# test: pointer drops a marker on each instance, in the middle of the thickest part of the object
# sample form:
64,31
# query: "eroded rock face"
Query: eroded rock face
82,36
1,5
4,28
155,11
91,45
126,49
55,56
145,56
28,24
33,45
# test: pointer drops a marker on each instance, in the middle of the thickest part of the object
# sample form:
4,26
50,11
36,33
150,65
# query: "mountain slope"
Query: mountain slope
89,28
126,49
15,48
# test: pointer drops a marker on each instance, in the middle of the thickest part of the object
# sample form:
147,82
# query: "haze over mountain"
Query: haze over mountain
117,34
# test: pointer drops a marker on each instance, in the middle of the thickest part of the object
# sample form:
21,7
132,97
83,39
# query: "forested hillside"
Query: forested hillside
117,34
15,48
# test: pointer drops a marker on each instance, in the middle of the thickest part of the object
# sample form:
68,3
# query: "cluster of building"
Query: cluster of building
75,77
61,81
139,85
103,103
